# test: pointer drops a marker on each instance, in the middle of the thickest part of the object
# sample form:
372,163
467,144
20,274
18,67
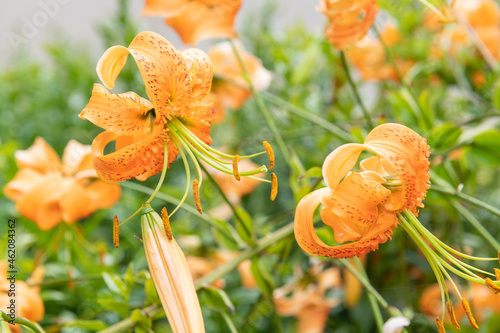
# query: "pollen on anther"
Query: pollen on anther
196,195
451,313
236,173
440,326
116,231
166,223
270,154
274,186
468,312
490,284
497,273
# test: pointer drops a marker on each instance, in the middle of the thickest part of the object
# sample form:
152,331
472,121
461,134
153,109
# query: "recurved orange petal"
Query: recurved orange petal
22,183
75,203
141,159
76,158
160,63
40,156
41,203
165,8
102,194
205,19
200,73
339,162
124,114
408,153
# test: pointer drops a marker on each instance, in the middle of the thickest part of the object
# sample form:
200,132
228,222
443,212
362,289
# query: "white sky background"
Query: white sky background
76,20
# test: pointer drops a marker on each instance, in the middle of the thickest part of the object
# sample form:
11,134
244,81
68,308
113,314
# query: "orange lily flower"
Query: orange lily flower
369,57
364,207
308,303
196,20
149,134
394,180
29,304
49,191
350,20
230,89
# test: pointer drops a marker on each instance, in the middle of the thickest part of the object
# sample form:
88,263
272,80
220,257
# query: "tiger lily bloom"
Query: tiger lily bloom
196,20
364,207
29,304
47,190
229,87
350,20
150,134
308,301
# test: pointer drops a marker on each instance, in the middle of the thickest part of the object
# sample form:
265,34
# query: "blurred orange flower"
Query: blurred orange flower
369,57
361,207
29,304
308,302
227,70
350,20
177,84
482,300
48,191
196,20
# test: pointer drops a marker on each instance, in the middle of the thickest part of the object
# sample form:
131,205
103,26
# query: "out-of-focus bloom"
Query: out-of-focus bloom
369,57
364,207
29,304
350,20
483,301
230,89
395,325
308,302
361,207
484,18
170,273
202,266
195,20
478,79
49,191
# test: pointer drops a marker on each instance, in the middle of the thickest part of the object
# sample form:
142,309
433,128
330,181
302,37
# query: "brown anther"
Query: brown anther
196,195
274,186
497,273
236,173
499,257
472,321
451,313
270,154
490,284
440,326
166,223
116,231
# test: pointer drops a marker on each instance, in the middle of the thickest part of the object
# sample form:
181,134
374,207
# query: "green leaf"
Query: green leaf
485,148
217,299
262,276
115,284
141,319
444,136
314,172
223,238
151,293
244,226
92,325
113,305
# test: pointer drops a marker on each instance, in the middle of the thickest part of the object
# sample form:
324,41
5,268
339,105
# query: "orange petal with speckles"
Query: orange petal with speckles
124,114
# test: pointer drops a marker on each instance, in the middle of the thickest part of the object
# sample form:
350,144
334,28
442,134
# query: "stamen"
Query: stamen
166,223
440,326
116,231
490,284
499,257
497,273
236,173
451,313
274,186
472,321
196,195
270,153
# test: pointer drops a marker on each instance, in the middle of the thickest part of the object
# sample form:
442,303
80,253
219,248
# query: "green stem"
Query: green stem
163,172
228,321
263,109
287,106
355,90
21,321
379,321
